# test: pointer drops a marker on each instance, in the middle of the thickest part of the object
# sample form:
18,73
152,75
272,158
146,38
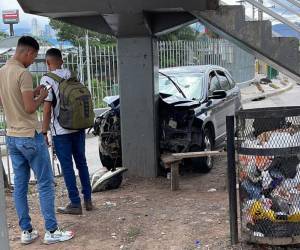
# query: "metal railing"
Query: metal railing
277,16
99,71
103,67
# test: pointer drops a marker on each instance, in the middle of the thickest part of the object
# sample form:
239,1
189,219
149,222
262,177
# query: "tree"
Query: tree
76,35
3,35
187,34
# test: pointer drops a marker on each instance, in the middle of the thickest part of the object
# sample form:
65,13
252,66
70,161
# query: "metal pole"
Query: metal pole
274,14
88,66
3,225
231,172
260,12
11,29
297,3
290,9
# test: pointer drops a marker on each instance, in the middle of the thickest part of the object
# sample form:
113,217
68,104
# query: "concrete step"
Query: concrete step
234,14
286,51
282,53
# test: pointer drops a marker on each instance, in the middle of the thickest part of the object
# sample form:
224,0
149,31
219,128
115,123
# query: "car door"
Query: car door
234,91
214,105
227,107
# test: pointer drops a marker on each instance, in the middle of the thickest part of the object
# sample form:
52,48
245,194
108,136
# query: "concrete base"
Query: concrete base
138,73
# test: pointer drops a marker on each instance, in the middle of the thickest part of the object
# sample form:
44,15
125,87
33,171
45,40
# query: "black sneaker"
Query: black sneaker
70,209
88,205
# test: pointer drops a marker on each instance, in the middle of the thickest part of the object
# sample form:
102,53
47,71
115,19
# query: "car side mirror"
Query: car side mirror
218,94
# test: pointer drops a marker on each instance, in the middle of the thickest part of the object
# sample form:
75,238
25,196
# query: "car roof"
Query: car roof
190,69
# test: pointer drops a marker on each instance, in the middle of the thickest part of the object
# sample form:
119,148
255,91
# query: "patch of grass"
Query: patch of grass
133,233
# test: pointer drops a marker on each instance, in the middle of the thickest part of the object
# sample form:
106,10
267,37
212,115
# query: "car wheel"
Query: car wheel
208,145
203,164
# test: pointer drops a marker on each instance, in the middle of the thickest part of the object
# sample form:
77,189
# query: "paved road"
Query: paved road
289,98
92,156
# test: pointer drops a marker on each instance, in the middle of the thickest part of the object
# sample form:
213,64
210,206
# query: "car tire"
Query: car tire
203,164
208,145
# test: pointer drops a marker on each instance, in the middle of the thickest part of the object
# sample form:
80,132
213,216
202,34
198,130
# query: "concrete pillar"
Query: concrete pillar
138,74
3,225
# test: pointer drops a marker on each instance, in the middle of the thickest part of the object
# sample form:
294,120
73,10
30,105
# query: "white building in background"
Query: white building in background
35,28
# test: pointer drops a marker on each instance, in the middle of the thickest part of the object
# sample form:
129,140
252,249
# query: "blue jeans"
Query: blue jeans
66,146
26,153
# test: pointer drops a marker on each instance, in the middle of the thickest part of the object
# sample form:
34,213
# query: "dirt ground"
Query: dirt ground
143,214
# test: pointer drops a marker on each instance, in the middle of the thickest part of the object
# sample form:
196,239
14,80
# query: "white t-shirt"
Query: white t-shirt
56,129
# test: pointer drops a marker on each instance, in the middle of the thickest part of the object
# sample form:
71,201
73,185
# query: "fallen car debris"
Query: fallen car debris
104,179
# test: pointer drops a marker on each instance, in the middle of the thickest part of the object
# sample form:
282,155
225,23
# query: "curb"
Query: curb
278,92
246,84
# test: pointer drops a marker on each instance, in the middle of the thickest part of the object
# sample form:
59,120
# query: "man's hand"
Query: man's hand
37,90
31,103
43,92
46,140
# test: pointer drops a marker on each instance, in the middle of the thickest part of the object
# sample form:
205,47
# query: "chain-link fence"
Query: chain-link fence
269,174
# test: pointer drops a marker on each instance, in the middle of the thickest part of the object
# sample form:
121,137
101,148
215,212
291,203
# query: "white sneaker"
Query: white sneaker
58,236
27,238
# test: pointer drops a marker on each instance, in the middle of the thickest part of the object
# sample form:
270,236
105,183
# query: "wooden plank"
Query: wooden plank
169,158
175,176
198,154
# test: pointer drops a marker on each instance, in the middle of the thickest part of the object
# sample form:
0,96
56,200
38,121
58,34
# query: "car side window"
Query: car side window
214,83
230,79
225,85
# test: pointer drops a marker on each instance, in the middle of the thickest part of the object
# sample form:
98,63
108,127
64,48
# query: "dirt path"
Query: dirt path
142,215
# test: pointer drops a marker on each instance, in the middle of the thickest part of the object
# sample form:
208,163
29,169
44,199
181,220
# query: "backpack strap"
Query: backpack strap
54,77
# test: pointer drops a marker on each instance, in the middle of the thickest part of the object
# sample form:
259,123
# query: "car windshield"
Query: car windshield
190,84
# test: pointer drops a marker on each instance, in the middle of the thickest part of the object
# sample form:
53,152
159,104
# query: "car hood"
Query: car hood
172,100
112,101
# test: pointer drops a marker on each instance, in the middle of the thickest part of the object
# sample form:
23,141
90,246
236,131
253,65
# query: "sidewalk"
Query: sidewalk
252,93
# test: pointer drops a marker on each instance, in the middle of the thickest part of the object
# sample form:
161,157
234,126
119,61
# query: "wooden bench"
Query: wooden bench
172,161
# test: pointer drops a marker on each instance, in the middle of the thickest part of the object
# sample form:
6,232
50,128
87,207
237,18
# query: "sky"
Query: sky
25,19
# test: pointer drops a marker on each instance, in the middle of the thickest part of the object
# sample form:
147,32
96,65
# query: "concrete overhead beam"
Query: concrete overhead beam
94,23
113,6
121,18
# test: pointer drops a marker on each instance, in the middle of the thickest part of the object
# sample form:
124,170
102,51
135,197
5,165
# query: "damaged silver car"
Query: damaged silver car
193,105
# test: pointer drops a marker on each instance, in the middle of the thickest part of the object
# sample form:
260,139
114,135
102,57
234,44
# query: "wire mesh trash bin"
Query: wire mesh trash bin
268,147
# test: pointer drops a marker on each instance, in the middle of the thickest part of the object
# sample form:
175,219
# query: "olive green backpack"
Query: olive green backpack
76,106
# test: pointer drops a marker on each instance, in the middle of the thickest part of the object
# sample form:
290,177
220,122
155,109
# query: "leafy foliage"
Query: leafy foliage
76,35
184,34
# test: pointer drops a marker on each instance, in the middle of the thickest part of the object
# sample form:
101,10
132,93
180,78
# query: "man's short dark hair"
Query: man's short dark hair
29,42
53,52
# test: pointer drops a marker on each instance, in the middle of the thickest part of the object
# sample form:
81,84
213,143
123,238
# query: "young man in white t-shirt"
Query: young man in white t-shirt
67,142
